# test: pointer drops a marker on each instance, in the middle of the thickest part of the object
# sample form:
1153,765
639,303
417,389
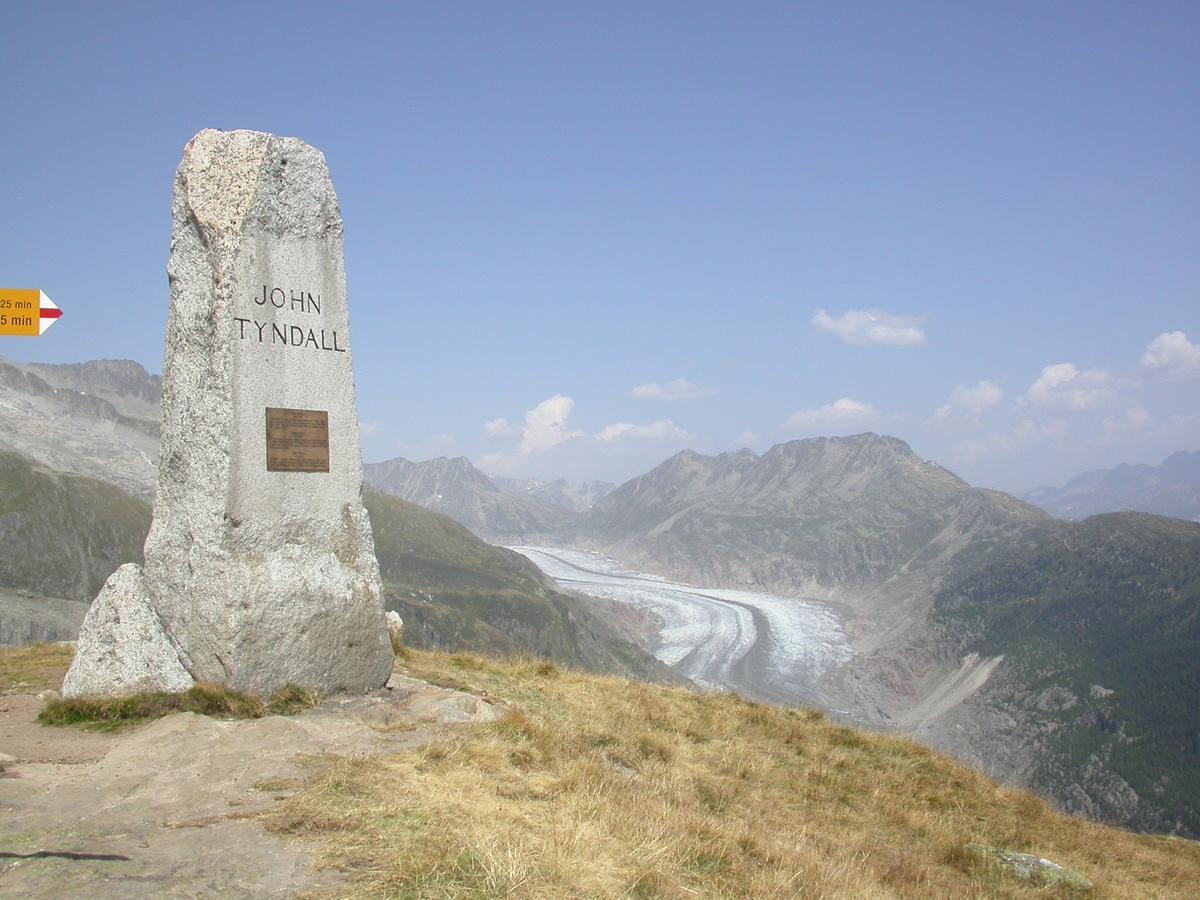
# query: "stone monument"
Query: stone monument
260,565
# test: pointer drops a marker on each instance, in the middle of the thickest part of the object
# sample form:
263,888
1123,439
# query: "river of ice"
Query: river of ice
765,647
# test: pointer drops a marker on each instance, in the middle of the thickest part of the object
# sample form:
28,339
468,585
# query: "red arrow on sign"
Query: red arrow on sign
48,314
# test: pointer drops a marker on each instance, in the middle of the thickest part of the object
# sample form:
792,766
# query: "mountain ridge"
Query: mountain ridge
98,419
1171,488
812,517
456,488
574,496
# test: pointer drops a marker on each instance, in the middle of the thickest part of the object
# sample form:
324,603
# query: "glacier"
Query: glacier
765,647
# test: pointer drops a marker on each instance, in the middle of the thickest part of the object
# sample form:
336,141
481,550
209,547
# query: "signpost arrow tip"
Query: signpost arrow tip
49,314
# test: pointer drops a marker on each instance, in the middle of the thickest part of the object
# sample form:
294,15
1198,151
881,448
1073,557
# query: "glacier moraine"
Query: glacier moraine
765,647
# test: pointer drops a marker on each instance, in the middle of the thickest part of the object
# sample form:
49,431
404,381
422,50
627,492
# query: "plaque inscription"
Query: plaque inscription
297,440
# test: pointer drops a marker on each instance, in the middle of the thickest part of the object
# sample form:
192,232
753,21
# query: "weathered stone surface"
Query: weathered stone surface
1034,869
395,626
427,703
260,578
122,648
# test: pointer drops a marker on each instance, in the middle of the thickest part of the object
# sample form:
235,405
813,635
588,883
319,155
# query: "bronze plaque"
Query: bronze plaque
297,440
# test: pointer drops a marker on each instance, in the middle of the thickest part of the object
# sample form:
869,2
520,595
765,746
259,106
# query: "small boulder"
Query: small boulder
1028,867
395,627
122,647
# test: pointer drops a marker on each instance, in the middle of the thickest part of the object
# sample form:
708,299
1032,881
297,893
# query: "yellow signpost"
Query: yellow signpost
26,312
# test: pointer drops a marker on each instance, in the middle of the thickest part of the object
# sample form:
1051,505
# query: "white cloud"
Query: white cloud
679,389
499,428
662,430
841,414
366,429
1026,432
1129,423
1063,386
1173,355
545,428
546,425
746,439
971,401
872,328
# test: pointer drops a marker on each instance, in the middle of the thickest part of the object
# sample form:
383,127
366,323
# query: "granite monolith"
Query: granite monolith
260,565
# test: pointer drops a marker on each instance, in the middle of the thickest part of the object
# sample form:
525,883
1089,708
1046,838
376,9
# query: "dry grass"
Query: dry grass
37,667
599,787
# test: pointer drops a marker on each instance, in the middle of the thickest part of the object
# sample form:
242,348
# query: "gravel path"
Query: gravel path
174,808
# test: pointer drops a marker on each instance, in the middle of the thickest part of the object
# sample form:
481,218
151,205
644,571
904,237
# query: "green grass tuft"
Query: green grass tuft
207,699
291,698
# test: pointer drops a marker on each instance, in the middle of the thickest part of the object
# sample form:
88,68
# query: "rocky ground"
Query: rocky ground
178,807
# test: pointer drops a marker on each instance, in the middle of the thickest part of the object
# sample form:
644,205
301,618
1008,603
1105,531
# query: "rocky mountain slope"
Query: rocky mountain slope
97,418
28,618
122,382
819,517
456,592
457,489
64,534
1098,624
1171,488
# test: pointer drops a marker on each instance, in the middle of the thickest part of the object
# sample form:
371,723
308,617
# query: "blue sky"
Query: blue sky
997,208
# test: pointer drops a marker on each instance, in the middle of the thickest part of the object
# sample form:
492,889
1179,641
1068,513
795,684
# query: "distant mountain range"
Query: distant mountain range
1171,488
1054,654
1028,646
502,510
575,496
818,518
457,489
64,534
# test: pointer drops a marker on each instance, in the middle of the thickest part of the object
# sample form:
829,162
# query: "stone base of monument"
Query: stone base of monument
260,566
122,647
